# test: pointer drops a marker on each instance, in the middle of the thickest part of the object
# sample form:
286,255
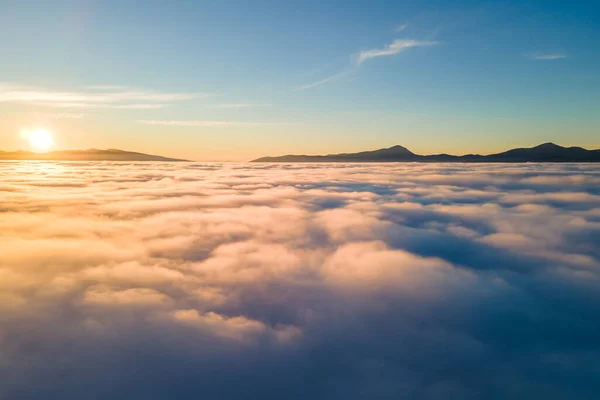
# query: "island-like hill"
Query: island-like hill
547,152
83,155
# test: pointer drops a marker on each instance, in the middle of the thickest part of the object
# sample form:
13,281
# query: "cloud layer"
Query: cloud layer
231,281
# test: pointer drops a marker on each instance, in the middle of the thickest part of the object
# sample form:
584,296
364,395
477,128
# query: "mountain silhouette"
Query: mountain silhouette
83,155
547,152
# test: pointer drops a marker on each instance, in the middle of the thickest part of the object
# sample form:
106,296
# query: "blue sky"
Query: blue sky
238,79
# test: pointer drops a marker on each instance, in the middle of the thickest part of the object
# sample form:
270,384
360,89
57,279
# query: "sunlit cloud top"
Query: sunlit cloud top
229,280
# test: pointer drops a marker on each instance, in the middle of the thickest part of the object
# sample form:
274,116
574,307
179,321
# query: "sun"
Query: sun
40,140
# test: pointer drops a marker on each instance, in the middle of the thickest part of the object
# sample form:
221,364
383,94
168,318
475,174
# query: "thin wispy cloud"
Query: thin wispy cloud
141,106
99,96
137,106
107,87
397,46
241,105
401,27
201,123
60,115
548,56
323,81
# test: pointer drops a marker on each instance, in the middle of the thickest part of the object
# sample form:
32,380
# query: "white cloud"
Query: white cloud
401,27
396,47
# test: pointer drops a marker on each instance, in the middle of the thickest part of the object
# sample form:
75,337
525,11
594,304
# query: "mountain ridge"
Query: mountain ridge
83,155
545,152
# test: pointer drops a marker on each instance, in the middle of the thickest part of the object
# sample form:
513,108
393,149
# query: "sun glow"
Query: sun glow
40,140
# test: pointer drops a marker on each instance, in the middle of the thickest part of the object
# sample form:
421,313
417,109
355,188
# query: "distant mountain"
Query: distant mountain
83,155
547,152
395,153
